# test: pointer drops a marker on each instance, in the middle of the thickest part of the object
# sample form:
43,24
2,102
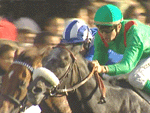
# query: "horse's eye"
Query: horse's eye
24,74
66,58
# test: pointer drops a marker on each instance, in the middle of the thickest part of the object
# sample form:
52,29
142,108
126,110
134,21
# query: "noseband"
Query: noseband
22,103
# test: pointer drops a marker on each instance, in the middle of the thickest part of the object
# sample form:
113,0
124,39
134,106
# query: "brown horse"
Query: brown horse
15,82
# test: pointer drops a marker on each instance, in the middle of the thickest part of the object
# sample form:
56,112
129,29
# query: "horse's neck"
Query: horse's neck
118,83
83,67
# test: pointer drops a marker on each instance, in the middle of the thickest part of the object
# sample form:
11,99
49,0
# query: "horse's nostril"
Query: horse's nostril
37,90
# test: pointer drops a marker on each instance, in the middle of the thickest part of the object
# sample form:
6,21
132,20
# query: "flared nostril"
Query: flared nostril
37,90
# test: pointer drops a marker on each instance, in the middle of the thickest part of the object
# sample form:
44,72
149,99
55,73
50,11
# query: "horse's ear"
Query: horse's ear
45,51
16,54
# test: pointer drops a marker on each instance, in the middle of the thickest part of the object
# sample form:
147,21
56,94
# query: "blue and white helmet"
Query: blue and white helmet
75,32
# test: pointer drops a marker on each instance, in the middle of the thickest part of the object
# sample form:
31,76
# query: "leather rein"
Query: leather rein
93,72
21,104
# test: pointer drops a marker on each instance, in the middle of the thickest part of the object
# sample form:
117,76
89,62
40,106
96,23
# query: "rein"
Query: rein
77,85
15,101
93,72
21,104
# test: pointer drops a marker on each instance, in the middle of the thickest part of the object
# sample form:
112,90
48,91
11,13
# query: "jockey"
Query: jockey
128,37
78,32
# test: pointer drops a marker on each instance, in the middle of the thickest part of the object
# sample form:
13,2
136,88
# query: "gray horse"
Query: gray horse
72,69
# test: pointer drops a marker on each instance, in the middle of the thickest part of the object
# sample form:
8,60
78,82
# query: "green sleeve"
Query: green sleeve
131,57
100,52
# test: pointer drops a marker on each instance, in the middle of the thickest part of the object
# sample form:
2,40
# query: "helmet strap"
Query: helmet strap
87,42
86,45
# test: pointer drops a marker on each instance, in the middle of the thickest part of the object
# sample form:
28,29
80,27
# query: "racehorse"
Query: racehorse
15,82
72,70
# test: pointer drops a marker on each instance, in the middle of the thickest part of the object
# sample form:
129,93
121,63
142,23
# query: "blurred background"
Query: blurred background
41,10
40,23
22,20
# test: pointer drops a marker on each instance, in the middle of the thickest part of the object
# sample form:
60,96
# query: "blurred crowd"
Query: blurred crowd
25,32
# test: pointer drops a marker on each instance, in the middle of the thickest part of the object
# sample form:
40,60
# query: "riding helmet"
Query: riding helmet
108,15
76,32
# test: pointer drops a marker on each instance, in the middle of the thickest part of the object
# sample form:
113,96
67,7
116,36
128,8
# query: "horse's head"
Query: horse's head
62,59
17,79
64,62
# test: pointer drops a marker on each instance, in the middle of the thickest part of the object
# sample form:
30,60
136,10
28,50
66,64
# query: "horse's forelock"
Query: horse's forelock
32,52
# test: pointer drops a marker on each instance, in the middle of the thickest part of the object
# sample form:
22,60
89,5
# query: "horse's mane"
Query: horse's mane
31,53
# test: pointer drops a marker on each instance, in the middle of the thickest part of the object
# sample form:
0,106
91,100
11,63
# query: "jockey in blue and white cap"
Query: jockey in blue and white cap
78,32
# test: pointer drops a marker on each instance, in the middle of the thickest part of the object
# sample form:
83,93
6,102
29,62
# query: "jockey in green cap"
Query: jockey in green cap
128,37
112,16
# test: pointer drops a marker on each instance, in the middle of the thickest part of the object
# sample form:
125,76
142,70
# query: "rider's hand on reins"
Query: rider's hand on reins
99,68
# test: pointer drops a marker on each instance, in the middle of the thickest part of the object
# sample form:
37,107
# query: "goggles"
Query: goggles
106,29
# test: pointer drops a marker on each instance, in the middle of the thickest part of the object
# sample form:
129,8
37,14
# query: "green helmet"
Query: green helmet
108,15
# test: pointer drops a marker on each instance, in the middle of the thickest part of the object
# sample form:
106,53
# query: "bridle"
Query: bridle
73,88
66,90
21,104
